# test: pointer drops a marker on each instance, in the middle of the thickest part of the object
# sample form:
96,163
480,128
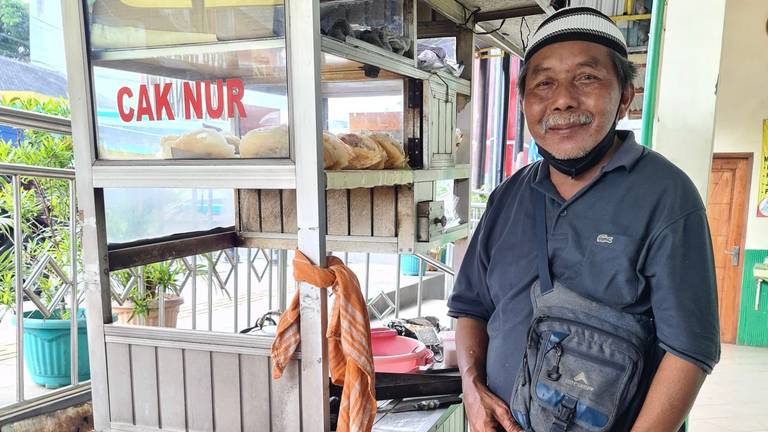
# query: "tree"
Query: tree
14,29
45,203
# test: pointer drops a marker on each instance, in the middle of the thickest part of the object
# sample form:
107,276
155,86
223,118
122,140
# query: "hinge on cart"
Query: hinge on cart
415,93
414,151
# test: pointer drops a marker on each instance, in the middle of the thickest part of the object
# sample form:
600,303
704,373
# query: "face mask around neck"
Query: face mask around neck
575,167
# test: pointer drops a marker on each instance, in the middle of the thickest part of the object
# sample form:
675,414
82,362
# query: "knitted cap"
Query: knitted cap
577,23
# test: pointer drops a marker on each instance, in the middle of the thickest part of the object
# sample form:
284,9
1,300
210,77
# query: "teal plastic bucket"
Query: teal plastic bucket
409,265
47,349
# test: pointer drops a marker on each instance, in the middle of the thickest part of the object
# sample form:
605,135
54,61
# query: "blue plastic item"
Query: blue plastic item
47,349
409,265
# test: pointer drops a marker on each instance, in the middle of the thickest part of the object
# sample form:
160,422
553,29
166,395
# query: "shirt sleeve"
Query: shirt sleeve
680,270
470,296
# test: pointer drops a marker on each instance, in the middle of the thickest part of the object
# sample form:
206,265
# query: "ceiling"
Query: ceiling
516,29
497,5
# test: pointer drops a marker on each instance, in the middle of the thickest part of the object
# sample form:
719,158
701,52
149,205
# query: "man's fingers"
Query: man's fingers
504,417
489,425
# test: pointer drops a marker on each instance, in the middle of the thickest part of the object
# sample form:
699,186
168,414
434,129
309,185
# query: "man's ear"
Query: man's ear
626,99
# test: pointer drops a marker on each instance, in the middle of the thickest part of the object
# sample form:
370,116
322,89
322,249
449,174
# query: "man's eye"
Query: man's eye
588,78
543,84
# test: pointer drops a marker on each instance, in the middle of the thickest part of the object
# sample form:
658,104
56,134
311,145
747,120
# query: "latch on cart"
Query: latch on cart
431,220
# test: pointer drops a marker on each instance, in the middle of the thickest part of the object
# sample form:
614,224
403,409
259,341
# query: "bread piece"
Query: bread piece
394,150
201,143
234,141
336,153
166,143
367,153
267,142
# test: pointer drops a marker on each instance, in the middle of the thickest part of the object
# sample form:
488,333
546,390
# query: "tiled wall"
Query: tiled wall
753,325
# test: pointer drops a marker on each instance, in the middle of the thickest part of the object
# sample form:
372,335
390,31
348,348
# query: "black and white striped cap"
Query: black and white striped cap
577,23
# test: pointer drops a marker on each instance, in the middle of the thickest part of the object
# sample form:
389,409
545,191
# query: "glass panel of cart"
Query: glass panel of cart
160,93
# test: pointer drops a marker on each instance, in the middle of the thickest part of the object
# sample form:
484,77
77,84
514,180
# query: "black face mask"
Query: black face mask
575,167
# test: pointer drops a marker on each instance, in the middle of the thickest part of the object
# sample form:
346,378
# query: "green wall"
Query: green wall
753,325
452,421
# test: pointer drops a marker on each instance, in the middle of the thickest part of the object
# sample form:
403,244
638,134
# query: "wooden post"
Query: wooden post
465,51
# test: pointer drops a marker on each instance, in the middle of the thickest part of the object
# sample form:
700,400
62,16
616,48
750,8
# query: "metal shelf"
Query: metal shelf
215,60
288,241
373,178
353,243
450,235
113,54
362,52
221,59
255,175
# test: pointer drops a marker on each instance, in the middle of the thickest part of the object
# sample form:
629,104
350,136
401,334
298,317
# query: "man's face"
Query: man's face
571,97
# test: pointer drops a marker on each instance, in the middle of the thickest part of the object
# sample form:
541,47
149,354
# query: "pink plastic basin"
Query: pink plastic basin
397,354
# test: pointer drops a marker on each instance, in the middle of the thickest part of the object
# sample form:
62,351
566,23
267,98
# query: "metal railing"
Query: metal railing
220,272
476,212
223,274
26,284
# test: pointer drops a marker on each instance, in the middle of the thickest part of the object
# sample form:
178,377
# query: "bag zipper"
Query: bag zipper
595,359
630,343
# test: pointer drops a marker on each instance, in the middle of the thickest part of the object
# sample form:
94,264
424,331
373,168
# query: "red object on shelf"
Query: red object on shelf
398,354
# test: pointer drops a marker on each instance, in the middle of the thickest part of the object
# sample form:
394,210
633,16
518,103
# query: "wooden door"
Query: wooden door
727,214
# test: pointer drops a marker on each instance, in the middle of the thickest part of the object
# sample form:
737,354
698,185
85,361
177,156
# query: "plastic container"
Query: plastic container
47,349
449,348
409,265
397,354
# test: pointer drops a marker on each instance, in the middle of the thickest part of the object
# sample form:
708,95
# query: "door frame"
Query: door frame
744,218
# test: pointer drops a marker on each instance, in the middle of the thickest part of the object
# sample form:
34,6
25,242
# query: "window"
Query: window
354,107
138,214
34,73
186,79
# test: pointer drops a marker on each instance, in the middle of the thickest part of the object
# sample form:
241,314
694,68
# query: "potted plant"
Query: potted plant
47,328
144,303
45,219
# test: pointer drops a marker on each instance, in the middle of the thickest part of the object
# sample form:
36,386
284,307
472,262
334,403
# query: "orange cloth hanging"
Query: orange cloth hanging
349,340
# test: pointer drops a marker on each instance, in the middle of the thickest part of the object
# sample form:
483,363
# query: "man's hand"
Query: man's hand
485,411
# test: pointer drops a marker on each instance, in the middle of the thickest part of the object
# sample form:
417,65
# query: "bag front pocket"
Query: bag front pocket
520,401
522,394
578,384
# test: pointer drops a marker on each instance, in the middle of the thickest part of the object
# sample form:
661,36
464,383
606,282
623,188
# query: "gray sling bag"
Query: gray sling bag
584,361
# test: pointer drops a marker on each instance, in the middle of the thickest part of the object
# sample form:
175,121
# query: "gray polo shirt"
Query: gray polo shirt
660,261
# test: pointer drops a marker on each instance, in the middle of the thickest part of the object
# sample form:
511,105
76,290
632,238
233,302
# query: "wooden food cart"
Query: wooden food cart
235,67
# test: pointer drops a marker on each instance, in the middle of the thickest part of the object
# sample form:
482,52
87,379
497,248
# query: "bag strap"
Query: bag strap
540,215
564,414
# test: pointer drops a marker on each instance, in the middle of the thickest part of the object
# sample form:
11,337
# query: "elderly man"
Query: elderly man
624,228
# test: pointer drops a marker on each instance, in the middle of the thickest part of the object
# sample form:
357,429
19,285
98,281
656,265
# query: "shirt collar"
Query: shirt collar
628,153
627,156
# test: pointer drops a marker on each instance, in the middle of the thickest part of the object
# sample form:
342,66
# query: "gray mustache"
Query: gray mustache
565,119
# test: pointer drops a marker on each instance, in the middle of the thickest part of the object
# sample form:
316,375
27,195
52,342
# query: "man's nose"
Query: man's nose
564,98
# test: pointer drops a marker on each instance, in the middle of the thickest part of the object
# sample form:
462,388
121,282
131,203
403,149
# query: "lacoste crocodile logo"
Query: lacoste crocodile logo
605,238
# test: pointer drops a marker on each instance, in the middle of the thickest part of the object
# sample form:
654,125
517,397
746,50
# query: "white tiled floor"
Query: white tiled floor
735,397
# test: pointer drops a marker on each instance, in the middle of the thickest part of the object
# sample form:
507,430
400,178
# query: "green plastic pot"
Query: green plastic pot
47,349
